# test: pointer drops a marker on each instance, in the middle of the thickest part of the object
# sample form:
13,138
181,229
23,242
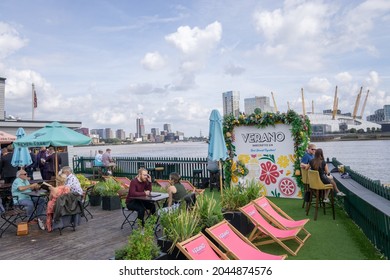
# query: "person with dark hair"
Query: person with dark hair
175,190
41,161
140,186
8,171
318,163
30,168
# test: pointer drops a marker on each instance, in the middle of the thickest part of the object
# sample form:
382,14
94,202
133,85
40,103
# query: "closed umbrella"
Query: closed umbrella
54,134
217,146
21,156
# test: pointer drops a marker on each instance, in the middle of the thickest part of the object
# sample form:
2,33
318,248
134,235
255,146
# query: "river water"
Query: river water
370,158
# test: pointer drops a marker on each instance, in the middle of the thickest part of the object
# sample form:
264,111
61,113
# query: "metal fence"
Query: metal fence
128,166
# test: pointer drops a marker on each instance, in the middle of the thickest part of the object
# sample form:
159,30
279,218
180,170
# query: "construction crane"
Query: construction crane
273,98
357,103
364,105
335,103
303,103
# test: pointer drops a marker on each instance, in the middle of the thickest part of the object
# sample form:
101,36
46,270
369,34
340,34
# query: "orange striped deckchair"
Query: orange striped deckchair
278,217
187,185
199,247
267,233
236,245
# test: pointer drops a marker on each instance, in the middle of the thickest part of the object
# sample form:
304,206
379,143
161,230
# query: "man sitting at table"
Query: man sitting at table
140,186
20,188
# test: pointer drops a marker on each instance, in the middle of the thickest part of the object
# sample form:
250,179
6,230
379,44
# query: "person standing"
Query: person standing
41,160
8,171
140,186
30,168
51,160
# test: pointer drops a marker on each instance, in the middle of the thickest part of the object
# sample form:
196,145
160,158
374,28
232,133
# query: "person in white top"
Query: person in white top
71,180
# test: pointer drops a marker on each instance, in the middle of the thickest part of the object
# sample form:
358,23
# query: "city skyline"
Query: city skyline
106,63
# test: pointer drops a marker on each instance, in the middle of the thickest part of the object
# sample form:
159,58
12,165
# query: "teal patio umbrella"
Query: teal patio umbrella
21,156
217,150
54,134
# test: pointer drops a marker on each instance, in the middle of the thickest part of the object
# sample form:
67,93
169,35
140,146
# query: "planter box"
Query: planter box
95,200
111,202
165,245
239,221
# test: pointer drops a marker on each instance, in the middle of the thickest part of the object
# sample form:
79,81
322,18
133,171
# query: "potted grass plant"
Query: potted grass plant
209,211
236,196
141,244
178,225
108,190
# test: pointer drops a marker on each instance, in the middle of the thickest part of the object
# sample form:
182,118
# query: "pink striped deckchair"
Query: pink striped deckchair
267,233
236,245
199,247
278,217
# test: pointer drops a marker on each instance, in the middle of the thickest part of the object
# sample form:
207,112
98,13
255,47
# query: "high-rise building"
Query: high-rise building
140,127
108,133
167,127
120,134
386,113
261,102
98,131
231,103
155,131
83,130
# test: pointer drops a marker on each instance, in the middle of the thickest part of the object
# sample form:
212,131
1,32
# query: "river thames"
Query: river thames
370,158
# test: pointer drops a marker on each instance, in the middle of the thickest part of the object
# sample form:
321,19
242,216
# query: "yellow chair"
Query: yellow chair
305,182
316,186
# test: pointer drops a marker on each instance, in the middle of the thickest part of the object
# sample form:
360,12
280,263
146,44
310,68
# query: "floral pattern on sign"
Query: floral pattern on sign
269,173
283,161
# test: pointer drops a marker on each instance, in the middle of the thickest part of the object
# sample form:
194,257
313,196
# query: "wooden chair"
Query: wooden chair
236,245
278,217
267,233
10,216
199,247
317,188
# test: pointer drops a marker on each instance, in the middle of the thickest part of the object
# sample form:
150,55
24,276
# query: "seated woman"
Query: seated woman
55,192
175,190
318,163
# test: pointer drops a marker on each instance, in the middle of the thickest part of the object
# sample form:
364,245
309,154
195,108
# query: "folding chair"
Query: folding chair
127,214
236,245
187,185
10,216
278,217
85,202
124,181
199,247
264,230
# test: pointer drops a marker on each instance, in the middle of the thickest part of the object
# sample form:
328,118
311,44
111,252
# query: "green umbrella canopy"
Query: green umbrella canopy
54,134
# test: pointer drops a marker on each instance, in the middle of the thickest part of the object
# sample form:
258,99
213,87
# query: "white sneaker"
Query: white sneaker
109,172
41,224
326,200
340,194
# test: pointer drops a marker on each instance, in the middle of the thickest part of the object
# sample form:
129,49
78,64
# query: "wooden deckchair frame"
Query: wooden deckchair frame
182,247
266,233
226,248
187,185
283,220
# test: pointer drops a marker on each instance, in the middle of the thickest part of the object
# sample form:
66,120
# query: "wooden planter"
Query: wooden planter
111,202
239,221
95,200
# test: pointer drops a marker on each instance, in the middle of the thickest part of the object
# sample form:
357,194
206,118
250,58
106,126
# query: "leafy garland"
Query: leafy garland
300,131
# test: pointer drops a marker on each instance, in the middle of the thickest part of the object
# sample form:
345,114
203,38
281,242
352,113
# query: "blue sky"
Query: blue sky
106,62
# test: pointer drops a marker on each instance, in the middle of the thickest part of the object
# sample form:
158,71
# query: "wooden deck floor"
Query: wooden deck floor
96,239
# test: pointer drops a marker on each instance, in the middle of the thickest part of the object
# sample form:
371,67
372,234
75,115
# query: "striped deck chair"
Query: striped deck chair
187,185
124,181
267,233
237,246
278,217
199,247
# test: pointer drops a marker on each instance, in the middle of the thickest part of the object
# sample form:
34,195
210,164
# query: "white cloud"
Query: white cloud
318,85
10,40
153,61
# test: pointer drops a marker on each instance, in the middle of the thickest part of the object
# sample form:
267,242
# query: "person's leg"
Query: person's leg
150,206
29,206
136,205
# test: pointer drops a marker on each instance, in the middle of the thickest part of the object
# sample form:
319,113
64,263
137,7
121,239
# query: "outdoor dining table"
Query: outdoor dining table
38,195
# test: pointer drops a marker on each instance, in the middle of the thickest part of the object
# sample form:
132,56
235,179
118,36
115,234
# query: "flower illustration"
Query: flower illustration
283,161
269,173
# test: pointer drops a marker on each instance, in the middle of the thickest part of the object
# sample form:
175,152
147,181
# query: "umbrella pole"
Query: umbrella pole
220,177
56,163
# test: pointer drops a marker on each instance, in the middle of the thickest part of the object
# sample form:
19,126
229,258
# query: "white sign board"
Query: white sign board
269,155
